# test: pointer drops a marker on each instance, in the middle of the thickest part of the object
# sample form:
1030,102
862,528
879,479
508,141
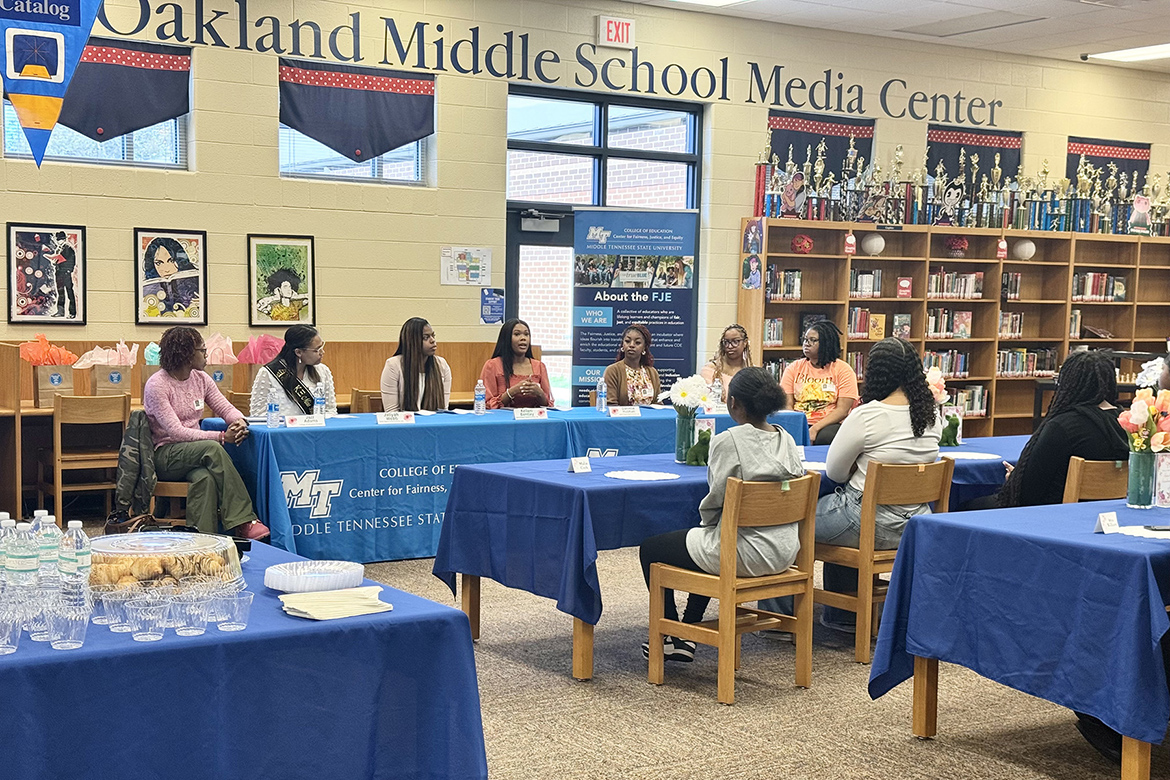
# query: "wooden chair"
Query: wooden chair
747,505
1095,480
884,484
242,401
172,491
76,411
365,401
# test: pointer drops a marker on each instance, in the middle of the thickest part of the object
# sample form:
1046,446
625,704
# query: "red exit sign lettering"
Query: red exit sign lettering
615,32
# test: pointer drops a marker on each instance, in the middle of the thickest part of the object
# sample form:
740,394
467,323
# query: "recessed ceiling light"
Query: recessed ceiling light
1159,52
712,3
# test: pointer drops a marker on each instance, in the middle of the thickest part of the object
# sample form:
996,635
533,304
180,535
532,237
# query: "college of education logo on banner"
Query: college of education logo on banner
40,44
632,267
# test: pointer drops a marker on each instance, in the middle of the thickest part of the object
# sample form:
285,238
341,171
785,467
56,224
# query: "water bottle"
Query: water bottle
717,390
7,529
480,397
37,515
602,397
73,561
273,408
319,400
48,535
21,562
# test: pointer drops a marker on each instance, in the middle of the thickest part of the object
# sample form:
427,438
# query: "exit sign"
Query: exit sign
615,32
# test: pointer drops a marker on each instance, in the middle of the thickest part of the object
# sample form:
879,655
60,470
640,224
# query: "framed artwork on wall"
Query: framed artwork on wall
46,274
171,276
281,287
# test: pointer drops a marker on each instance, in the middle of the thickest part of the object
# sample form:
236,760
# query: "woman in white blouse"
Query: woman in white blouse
295,376
416,378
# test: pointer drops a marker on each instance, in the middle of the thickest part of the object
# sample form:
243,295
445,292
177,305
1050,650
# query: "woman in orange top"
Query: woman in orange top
820,384
513,377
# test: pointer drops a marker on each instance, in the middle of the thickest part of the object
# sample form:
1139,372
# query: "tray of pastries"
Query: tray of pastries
163,558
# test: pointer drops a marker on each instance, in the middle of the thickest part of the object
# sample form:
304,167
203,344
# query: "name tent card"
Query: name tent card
580,465
715,408
305,421
1106,523
539,413
625,411
394,418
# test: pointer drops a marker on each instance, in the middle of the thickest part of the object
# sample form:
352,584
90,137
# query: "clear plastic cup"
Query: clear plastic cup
235,608
100,616
67,626
11,623
115,607
200,583
190,612
146,617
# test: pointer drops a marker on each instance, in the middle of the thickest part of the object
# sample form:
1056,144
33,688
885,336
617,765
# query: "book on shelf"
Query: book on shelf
1010,286
858,323
807,319
865,284
1011,325
902,326
905,287
948,324
783,285
1074,324
972,400
1096,287
775,368
949,284
856,361
1026,362
962,325
877,326
952,363
774,332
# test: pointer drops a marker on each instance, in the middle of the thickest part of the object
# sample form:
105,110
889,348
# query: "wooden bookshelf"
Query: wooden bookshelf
1141,322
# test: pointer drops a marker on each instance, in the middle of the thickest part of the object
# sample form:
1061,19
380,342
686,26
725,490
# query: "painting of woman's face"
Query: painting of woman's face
164,265
286,289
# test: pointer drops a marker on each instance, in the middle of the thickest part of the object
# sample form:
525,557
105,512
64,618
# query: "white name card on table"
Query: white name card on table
580,465
305,421
715,408
625,411
394,418
530,413
1106,523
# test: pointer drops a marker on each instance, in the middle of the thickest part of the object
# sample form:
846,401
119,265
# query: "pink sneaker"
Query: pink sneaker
255,530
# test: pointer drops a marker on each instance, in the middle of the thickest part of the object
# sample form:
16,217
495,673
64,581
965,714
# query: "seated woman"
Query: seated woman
820,384
296,375
897,423
734,353
416,378
752,450
633,380
173,400
513,377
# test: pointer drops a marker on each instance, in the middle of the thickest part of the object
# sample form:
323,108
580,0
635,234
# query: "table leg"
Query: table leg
582,649
925,721
1135,759
470,589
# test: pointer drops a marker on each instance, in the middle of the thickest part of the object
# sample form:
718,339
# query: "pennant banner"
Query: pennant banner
801,131
123,86
357,112
945,143
40,45
1129,157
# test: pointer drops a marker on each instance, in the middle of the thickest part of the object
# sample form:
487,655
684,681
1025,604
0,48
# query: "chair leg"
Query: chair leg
861,641
727,654
738,651
657,657
58,497
804,631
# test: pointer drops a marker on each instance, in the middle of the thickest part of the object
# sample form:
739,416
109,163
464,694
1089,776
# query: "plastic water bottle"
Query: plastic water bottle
602,397
73,561
480,397
717,390
273,408
319,400
21,561
7,529
48,535
37,515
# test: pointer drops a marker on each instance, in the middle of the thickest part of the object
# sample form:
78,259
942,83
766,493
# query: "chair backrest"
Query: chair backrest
759,504
1095,480
242,401
361,401
919,483
76,410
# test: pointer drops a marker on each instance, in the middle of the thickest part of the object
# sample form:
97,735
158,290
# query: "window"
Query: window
162,146
301,156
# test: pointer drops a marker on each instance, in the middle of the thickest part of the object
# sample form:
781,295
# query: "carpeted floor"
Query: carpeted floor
540,723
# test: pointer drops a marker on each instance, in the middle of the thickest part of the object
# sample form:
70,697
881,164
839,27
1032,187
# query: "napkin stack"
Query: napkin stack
330,604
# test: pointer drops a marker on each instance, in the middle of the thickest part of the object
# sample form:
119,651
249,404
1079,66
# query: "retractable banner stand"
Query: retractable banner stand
633,267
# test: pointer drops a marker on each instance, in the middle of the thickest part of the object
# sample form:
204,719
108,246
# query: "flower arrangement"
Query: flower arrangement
1147,421
687,395
956,243
938,385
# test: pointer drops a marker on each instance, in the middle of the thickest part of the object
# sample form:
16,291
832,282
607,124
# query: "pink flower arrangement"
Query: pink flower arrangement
937,385
1147,421
956,243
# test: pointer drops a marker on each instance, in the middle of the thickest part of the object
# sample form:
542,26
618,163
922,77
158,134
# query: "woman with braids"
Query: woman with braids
173,400
296,374
416,378
734,353
820,384
513,377
633,380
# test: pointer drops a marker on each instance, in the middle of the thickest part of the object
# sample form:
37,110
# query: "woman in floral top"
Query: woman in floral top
632,380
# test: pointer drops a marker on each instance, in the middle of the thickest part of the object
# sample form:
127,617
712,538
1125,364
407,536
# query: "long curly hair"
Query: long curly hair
894,364
721,351
176,347
1086,379
644,332
829,348
414,362
503,349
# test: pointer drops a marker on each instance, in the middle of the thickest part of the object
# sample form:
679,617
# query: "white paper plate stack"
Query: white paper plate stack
309,576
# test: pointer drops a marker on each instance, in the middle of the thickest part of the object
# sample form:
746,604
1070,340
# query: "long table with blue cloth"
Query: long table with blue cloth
387,695
1032,598
358,491
537,527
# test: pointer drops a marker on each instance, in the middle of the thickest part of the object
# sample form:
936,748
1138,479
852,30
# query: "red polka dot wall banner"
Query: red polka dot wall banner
122,86
1129,157
358,112
998,153
846,139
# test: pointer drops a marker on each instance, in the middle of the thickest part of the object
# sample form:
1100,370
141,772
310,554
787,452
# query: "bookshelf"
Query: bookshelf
1040,298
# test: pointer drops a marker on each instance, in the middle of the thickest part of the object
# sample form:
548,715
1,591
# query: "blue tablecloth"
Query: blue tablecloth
379,696
536,527
591,433
1033,599
972,479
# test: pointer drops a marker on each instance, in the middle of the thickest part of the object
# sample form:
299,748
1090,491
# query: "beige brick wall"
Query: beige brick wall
377,245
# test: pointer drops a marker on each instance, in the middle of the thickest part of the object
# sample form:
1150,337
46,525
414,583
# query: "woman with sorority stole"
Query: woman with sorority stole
295,375
513,377
416,379
173,400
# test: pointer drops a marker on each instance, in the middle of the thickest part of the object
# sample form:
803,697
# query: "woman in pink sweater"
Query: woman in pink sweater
173,399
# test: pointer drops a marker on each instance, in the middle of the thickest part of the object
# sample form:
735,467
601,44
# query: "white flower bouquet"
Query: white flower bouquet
687,395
